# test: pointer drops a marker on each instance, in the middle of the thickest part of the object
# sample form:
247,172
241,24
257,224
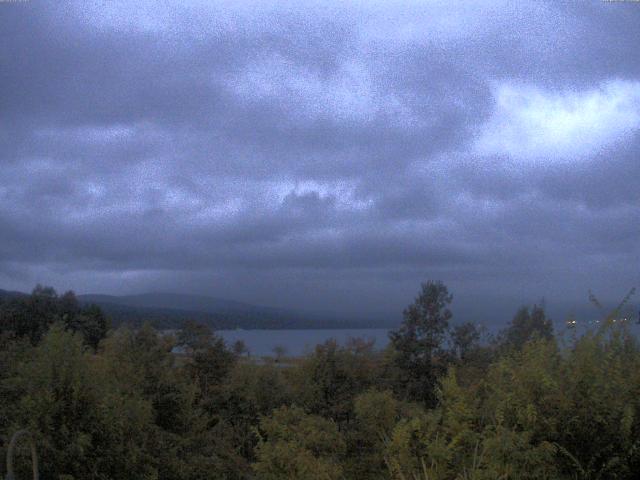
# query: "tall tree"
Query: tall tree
90,322
464,339
527,324
419,343
194,336
331,377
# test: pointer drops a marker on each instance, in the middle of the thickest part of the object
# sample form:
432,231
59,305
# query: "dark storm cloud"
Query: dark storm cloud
320,154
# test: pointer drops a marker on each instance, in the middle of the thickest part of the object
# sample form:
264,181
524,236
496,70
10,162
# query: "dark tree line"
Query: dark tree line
30,316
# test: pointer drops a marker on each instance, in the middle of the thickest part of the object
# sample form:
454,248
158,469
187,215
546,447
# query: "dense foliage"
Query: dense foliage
438,403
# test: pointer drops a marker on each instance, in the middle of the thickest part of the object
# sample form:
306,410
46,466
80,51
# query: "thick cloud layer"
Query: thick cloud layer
322,155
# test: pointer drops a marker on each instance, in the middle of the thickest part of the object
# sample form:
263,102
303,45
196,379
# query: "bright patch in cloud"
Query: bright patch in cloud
531,124
350,94
342,192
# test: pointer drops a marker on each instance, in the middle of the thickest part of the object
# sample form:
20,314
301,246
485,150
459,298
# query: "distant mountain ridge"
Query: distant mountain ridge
177,301
170,310
10,293
166,310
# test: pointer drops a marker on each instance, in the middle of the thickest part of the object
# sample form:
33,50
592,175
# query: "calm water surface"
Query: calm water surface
299,342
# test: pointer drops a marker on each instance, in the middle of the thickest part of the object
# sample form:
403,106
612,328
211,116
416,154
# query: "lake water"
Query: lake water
299,342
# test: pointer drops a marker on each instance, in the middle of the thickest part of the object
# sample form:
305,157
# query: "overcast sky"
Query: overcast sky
321,155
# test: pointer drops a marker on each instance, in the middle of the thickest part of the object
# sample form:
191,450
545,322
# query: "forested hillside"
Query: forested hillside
169,311
440,402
